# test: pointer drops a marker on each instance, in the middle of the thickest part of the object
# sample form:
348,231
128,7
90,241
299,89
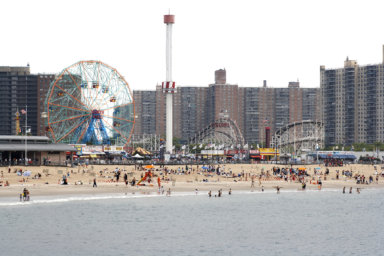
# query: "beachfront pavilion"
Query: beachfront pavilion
39,150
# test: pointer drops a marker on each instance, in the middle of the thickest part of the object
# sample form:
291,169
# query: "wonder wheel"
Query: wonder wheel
90,103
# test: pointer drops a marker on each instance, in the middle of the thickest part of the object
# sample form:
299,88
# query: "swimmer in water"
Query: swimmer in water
230,192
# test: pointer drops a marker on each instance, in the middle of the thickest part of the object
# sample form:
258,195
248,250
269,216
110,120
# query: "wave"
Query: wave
56,199
45,200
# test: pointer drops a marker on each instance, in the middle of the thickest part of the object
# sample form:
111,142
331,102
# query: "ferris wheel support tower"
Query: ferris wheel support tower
169,85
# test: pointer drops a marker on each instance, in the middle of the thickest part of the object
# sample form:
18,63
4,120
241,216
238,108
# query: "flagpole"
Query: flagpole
26,120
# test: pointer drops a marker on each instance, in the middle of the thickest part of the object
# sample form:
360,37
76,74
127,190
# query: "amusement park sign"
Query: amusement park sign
113,148
219,125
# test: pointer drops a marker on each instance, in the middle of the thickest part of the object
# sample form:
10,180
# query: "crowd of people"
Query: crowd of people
334,162
270,176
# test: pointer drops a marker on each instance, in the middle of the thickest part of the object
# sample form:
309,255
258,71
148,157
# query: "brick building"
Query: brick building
252,108
43,83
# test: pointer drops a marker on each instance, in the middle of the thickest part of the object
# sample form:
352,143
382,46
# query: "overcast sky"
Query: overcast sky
277,41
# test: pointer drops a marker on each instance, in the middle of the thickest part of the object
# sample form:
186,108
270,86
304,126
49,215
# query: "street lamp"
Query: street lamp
25,134
317,153
44,116
276,149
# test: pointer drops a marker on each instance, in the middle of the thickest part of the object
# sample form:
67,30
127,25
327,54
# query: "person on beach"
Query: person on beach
219,193
196,191
262,188
169,192
209,193
343,190
25,194
118,175
278,189
94,183
358,190
350,190
303,186
126,179
253,182
230,191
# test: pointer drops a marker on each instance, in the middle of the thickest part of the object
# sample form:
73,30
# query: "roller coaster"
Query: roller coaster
303,136
223,131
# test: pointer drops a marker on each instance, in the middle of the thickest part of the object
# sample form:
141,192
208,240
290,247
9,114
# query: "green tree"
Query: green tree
176,143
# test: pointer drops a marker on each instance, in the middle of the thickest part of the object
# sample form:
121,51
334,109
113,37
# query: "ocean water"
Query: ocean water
245,223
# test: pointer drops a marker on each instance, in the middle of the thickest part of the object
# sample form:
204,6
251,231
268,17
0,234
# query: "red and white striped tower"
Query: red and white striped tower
169,85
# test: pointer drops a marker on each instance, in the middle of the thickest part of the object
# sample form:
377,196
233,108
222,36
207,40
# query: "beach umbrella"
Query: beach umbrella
150,166
27,173
205,167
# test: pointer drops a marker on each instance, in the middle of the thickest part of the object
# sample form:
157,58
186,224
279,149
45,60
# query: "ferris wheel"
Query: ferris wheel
90,103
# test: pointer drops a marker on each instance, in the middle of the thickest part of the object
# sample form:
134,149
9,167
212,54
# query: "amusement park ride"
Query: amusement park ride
90,103
302,136
223,131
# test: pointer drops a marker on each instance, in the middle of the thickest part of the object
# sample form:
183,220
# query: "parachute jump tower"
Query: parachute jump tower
169,86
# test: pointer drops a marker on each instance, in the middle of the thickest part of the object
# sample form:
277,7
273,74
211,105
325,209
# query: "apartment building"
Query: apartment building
252,108
353,100
18,93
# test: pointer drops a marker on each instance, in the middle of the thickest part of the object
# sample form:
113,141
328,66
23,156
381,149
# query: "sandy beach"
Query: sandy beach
198,178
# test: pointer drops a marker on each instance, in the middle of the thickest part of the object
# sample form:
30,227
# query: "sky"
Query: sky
276,40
